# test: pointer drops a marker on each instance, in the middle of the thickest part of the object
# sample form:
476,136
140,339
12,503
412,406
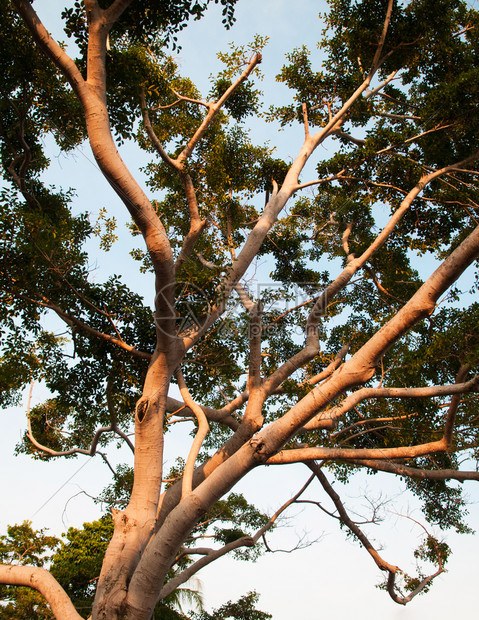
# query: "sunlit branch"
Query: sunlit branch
69,319
371,421
370,93
203,429
43,581
324,374
302,455
400,469
414,138
379,50
305,120
335,413
247,302
215,108
197,225
401,117
191,100
153,137
354,264
276,204
333,177
379,286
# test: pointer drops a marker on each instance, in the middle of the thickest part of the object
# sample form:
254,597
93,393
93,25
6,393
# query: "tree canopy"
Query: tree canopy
293,316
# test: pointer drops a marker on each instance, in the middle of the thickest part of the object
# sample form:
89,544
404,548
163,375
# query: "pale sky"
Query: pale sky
331,579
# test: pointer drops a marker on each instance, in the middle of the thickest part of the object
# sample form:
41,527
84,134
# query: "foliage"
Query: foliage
243,609
22,544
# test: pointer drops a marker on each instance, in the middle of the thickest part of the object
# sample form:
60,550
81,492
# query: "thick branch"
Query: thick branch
303,455
398,469
41,580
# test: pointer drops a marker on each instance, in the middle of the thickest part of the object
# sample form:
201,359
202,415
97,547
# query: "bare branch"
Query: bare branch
210,556
363,539
203,429
89,452
414,138
178,408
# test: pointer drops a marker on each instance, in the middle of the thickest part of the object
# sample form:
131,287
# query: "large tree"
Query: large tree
345,356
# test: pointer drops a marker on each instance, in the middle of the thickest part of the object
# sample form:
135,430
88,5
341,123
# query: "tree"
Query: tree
381,375
75,562
243,609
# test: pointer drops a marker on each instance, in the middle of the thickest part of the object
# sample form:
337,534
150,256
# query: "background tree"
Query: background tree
382,376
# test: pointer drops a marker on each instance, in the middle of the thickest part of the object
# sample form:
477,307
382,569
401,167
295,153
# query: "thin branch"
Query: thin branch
210,555
333,177
414,138
153,137
88,452
377,56
113,419
346,136
175,407
375,91
73,321
214,109
371,421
